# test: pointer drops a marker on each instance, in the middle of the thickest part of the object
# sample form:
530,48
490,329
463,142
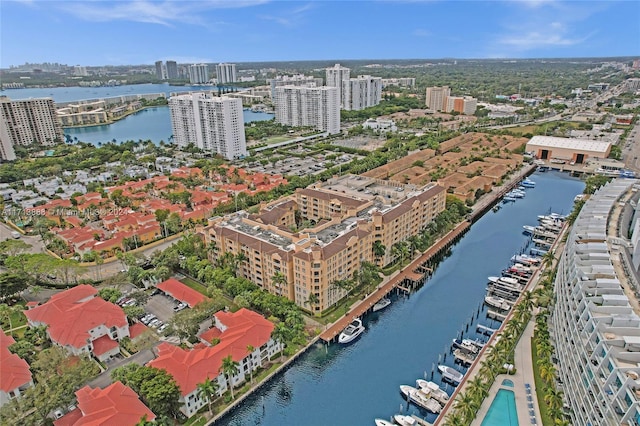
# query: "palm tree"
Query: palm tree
279,334
467,404
208,390
7,311
229,369
250,350
379,249
553,398
455,419
279,280
548,258
547,371
477,386
526,300
313,300
240,259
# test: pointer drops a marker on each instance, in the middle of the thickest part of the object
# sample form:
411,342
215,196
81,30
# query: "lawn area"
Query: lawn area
277,139
540,386
198,420
194,285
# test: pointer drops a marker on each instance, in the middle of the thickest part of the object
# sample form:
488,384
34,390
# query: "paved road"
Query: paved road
104,379
35,241
112,268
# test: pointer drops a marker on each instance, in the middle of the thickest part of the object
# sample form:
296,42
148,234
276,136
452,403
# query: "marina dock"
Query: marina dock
404,280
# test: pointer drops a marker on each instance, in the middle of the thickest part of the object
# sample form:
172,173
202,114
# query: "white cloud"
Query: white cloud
167,12
536,39
534,4
290,18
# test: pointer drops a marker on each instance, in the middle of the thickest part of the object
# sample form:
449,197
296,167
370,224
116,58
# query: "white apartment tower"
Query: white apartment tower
293,80
213,124
308,106
28,121
226,73
437,97
198,74
362,92
335,76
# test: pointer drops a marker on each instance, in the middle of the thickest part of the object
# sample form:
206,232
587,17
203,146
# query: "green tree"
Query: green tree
280,334
229,368
110,294
208,390
11,283
155,386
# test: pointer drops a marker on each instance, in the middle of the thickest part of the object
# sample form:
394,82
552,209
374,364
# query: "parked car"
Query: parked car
180,306
162,328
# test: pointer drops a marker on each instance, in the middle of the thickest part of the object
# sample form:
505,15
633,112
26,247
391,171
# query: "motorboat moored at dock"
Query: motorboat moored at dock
383,422
450,374
434,390
405,420
352,331
381,304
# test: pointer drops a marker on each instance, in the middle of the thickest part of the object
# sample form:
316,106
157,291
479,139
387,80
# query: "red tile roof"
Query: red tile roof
189,368
181,292
103,345
15,370
116,404
137,329
71,314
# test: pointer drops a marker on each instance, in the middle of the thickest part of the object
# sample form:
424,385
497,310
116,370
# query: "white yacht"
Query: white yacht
405,420
383,422
381,304
421,397
436,393
450,374
351,332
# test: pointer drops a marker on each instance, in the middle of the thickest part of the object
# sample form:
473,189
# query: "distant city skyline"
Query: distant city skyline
92,33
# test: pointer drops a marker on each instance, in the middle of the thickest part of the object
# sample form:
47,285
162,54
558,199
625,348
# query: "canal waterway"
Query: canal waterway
352,385
150,123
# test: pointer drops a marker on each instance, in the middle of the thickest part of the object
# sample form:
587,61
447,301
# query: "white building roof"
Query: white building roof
571,144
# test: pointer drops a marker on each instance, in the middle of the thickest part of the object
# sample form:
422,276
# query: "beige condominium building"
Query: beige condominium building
323,233
28,121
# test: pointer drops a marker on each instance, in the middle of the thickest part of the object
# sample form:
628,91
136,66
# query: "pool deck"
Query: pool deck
524,375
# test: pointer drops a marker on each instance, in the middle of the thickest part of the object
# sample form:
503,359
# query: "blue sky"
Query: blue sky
117,32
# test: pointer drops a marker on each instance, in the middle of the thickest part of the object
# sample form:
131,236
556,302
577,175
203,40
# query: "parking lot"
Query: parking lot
161,306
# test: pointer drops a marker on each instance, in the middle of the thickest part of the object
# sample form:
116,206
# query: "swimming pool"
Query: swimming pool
507,382
502,411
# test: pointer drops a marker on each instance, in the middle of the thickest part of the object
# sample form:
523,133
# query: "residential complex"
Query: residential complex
348,216
437,98
83,114
317,107
293,80
82,323
198,74
28,121
335,76
463,104
362,92
596,322
213,124
15,376
116,404
231,335
226,73
401,81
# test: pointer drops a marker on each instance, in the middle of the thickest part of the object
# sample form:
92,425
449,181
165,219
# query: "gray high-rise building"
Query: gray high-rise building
226,73
28,121
159,73
172,70
335,76
362,92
